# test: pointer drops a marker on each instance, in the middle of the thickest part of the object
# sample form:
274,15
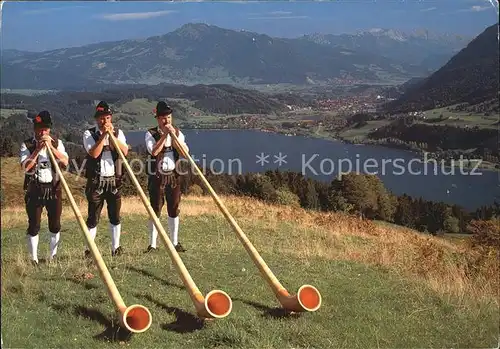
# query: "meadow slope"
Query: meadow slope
381,285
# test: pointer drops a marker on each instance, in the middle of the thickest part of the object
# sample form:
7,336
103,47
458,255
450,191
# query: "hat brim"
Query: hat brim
102,113
165,113
43,125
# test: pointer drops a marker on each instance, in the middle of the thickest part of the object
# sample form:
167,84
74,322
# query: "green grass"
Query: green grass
461,119
139,109
362,132
27,92
142,111
378,282
7,113
363,306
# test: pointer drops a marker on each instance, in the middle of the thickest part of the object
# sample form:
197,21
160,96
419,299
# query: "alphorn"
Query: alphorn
307,298
135,318
217,303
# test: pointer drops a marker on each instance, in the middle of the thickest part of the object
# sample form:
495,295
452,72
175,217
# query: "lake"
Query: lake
241,151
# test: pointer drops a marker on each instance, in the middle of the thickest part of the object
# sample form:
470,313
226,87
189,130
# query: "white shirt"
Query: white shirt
43,170
107,164
168,162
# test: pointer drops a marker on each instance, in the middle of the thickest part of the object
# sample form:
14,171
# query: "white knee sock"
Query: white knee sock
153,234
93,233
173,227
115,236
33,246
54,243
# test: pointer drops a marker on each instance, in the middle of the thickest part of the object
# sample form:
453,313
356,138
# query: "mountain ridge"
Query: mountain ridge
420,48
412,33
201,53
471,76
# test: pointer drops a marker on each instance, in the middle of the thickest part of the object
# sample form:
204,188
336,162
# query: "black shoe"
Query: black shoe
117,252
34,263
87,254
179,248
150,249
53,259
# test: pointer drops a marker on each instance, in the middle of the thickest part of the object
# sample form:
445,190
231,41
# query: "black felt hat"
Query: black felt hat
102,109
162,108
43,120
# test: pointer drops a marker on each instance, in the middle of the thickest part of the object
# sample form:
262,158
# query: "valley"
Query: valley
358,108
355,143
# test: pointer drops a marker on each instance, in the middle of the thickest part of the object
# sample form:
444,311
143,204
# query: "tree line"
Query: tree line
77,107
357,194
442,137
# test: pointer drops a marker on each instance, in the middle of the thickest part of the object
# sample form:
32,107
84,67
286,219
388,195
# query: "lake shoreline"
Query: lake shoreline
486,166
252,151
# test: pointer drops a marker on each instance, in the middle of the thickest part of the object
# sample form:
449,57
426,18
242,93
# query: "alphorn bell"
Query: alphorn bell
307,298
135,318
217,303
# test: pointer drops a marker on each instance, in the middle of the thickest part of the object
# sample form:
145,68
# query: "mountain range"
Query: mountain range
200,53
421,48
471,76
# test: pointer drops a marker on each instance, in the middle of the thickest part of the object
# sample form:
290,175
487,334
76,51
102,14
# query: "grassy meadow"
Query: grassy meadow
462,119
381,285
361,133
141,110
7,113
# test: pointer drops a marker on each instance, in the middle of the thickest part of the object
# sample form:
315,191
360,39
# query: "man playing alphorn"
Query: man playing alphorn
164,180
104,172
41,183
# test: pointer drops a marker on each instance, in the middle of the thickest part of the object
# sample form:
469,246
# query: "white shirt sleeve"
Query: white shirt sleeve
150,142
88,140
181,137
121,137
62,149
24,153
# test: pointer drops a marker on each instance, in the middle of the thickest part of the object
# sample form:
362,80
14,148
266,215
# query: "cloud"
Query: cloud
280,13
279,17
134,15
274,15
475,8
428,9
478,8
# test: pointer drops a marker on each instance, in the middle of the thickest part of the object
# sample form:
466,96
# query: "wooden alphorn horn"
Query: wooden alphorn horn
217,303
135,318
307,298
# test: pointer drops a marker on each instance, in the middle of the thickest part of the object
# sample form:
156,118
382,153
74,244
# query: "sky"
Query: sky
46,25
